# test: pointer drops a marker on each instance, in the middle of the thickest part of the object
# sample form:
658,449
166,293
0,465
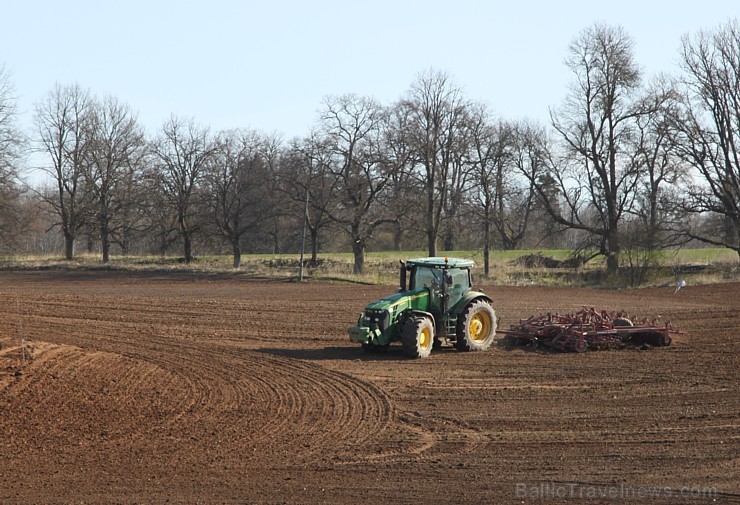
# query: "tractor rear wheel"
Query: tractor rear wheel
418,337
476,327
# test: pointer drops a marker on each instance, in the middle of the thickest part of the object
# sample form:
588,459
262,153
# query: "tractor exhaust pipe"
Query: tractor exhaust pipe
402,279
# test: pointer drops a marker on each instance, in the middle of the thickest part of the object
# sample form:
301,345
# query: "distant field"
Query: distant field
706,255
702,265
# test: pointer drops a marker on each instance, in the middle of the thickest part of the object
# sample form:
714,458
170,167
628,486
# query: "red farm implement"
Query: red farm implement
588,329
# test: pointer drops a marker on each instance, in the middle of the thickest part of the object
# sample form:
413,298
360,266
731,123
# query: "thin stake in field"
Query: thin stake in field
21,337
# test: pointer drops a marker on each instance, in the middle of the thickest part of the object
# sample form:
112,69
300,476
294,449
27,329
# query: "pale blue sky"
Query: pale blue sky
267,65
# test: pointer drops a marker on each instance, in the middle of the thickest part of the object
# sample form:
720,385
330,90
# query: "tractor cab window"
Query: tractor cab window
430,278
459,284
460,279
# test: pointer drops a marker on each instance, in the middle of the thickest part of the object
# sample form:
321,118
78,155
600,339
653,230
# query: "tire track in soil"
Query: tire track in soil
75,400
276,405
297,405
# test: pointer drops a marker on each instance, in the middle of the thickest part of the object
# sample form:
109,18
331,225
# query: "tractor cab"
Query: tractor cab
447,280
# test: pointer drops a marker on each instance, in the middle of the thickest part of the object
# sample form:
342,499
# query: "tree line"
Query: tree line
625,164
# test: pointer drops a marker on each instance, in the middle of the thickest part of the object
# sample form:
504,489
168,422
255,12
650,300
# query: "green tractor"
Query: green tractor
434,306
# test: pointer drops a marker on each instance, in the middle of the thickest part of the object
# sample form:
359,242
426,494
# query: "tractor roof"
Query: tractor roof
442,262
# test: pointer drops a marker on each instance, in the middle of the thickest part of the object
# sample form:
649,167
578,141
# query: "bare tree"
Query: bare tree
10,137
661,170
160,227
460,178
596,177
530,153
306,181
116,148
508,159
404,195
132,202
437,117
236,180
182,152
354,129
63,126
490,154
709,129
273,209
11,140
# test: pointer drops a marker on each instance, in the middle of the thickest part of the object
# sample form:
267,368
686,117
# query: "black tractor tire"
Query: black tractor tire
476,327
417,337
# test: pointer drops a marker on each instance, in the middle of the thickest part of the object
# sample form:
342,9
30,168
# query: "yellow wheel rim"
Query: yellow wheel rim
425,339
480,326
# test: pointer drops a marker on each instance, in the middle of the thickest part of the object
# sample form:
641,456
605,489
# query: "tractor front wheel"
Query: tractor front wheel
476,327
418,337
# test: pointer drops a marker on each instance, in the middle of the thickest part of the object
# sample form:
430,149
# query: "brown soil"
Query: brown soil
204,390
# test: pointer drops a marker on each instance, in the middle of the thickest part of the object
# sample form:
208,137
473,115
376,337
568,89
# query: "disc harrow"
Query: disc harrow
589,329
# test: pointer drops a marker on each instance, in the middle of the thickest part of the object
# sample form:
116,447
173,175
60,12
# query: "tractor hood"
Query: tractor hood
377,325
417,299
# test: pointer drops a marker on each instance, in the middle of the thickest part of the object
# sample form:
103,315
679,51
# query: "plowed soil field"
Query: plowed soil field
197,389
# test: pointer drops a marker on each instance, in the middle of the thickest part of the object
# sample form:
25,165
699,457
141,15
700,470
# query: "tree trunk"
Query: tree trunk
237,253
105,240
187,238
105,245
314,246
432,242
163,243
612,263
275,236
397,236
486,242
126,242
431,224
358,249
612,254
449,238
187,247
69,246
652,238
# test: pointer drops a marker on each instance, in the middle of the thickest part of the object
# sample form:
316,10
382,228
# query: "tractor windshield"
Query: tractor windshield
430,278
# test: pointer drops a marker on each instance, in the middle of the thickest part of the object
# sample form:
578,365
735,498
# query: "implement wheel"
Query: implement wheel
418,337
476,327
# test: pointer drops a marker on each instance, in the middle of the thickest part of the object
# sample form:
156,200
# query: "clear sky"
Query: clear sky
268,64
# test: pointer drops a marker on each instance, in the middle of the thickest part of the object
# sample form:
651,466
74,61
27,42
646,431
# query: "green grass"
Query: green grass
699,265
700,256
